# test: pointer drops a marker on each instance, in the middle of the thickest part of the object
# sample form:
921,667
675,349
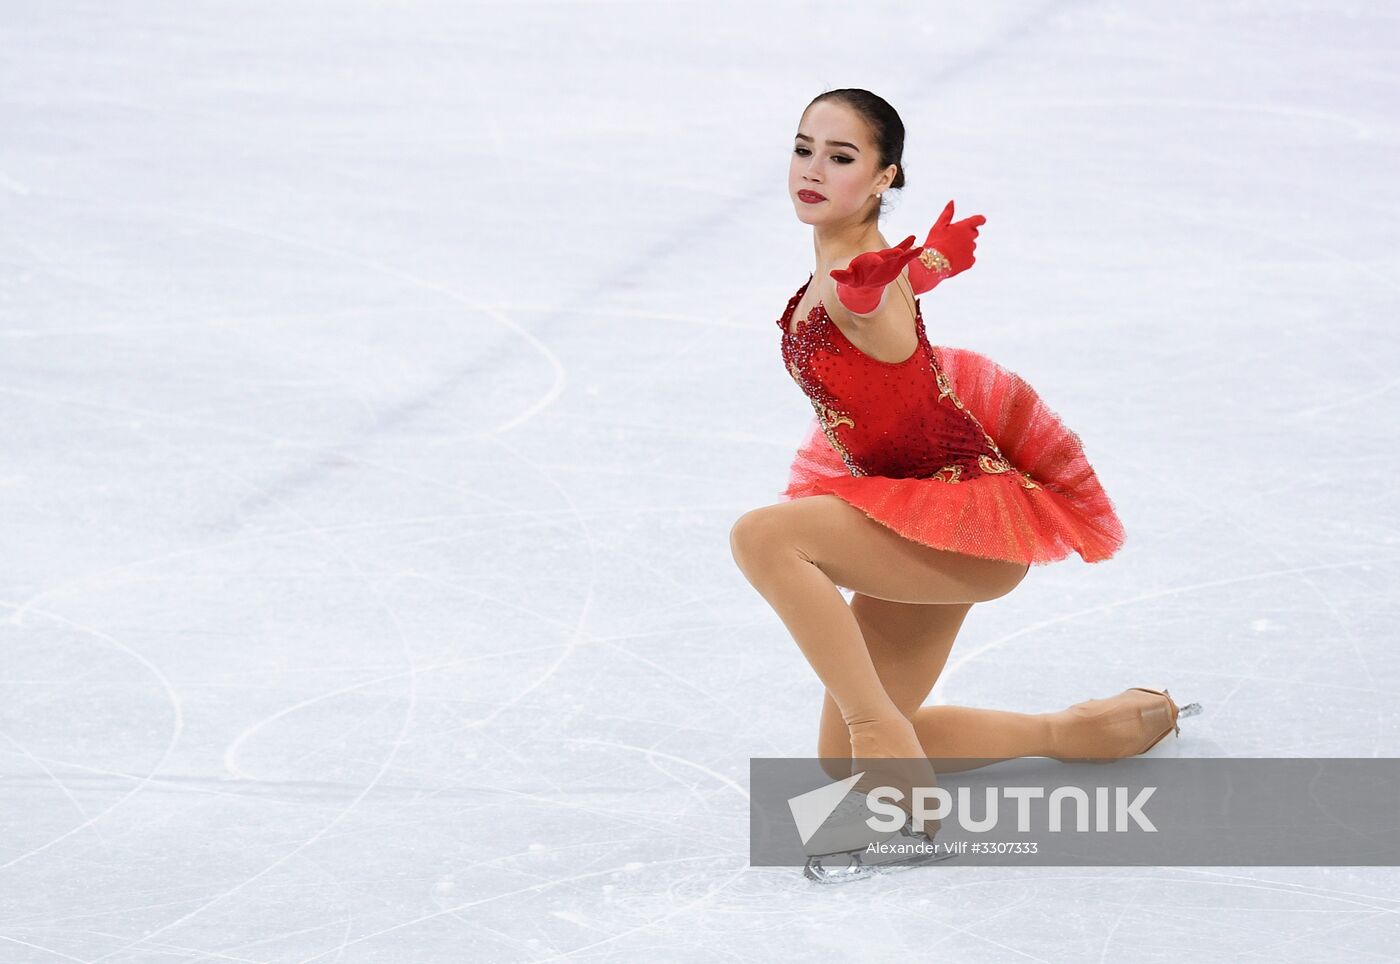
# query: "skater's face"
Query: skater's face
833,155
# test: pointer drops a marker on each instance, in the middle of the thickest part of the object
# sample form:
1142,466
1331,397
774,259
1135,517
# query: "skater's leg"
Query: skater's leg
796,554
966,737
909,644
960,737
1100,729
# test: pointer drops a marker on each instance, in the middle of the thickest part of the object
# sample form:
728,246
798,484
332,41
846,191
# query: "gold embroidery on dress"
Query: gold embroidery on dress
835,418
828,418
954,474
945,388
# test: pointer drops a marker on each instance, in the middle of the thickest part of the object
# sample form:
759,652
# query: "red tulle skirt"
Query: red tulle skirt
993,516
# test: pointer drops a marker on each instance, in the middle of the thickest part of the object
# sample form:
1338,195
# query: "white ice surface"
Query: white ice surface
380,383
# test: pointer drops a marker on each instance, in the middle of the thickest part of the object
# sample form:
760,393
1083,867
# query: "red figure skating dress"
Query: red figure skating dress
946,448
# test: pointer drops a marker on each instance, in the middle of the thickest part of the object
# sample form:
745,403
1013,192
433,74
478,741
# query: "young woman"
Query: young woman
932,479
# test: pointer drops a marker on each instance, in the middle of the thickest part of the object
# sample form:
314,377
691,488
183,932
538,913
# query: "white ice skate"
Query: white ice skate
1167,742
846,847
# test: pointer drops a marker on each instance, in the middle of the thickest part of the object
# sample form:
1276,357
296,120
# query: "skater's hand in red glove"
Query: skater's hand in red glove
860,286
948,250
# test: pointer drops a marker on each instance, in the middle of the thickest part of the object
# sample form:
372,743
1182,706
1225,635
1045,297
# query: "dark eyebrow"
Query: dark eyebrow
834,143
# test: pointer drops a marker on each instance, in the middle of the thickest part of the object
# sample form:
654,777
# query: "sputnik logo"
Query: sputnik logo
810,809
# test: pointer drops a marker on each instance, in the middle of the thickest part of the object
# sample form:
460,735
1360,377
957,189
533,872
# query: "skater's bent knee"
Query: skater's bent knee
742,536
757,533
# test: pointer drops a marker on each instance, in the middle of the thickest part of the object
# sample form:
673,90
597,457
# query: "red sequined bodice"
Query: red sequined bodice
898,419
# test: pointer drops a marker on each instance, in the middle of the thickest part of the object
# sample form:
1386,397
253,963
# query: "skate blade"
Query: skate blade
840,868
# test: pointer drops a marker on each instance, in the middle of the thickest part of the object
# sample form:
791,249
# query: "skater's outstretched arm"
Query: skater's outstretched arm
948,250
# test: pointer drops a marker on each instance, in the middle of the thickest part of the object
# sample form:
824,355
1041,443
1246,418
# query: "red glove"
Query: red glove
947,250
861,285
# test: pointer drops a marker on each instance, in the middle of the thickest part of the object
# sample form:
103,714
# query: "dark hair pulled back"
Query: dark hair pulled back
885,125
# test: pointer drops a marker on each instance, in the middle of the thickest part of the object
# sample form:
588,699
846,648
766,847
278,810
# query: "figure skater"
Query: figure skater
931,479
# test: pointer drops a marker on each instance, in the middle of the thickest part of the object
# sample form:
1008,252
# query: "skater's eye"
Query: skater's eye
803,152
